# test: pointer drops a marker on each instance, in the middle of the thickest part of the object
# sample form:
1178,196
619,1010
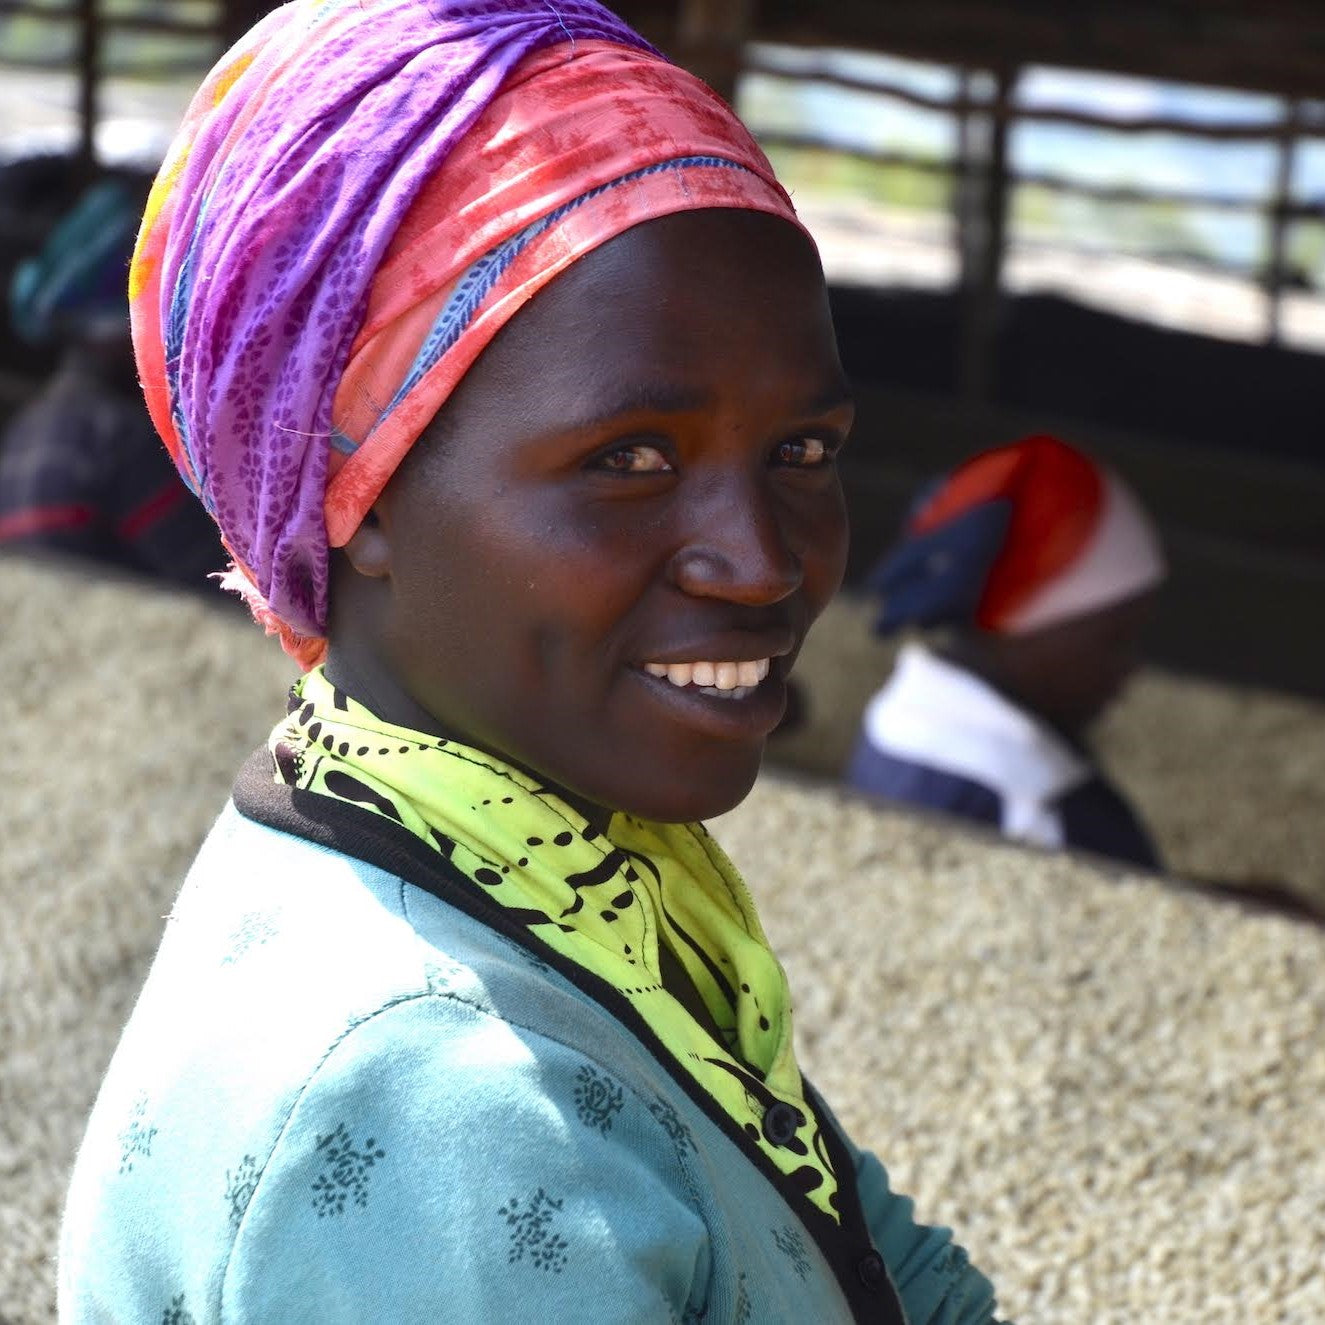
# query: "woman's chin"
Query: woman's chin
687,795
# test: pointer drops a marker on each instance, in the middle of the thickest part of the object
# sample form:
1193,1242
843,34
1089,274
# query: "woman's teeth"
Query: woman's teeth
726,680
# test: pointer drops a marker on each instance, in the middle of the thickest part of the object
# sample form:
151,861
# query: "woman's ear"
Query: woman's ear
369,548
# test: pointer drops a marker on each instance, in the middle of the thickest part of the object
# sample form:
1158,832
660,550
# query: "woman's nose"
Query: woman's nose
738,549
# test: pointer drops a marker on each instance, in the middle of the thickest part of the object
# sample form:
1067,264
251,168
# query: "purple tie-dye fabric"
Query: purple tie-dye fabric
305,148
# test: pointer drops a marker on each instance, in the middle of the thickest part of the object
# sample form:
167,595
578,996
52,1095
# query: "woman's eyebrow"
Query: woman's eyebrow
643,398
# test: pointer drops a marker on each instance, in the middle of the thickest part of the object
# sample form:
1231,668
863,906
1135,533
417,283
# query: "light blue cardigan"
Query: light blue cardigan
342,1099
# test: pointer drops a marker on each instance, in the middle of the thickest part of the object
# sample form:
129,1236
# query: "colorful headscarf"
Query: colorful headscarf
360,196
1019,538
76,282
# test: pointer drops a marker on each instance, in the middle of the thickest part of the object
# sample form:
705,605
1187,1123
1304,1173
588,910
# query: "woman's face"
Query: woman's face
603,559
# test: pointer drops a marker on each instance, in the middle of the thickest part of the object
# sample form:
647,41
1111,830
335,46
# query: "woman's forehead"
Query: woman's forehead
668,306
681,253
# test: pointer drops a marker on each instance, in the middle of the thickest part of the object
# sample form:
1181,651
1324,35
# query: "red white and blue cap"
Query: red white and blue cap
1016,539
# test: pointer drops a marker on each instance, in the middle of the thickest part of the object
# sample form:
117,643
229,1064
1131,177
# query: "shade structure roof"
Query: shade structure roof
1268,46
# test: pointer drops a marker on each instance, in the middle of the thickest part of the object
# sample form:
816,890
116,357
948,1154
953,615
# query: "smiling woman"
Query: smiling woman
501,360
688,523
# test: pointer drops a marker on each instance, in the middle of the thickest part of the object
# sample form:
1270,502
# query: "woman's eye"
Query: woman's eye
803,452
636,458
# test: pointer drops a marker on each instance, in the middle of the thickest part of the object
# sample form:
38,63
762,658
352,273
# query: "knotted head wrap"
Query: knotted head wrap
1016,539
362,193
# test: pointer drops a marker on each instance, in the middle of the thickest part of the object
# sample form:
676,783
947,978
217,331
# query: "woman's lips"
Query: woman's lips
746,700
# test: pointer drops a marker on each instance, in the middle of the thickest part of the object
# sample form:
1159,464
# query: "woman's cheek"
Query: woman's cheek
824,532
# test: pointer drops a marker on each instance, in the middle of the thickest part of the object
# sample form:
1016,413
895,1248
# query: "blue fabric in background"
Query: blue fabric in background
936,579
80,278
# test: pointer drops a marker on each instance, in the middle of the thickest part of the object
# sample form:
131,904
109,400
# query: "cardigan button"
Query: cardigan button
873,1273
781,1121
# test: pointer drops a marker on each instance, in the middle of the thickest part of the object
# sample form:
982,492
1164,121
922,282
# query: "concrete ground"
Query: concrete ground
1113,1088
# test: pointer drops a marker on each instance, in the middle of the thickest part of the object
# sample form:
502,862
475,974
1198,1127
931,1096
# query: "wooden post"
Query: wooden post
986,223
968,188
1276,267
710,40
89,75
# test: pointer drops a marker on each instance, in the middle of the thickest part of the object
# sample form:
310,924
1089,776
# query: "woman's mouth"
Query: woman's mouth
718,680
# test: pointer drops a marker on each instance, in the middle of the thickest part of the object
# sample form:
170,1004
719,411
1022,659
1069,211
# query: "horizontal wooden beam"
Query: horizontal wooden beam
1054,183
1263,47
1274,46
822,72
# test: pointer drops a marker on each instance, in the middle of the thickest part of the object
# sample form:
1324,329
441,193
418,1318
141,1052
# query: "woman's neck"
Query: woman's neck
370,684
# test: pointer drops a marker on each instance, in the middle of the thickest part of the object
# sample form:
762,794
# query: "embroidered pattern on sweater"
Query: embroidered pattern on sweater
136,1137
790,1243
597,1098
345,1173
741,1311
534,1233
177,1313
254,929
670,1121
240,1184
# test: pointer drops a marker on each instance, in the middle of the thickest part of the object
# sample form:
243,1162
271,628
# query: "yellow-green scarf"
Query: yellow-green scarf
608,901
